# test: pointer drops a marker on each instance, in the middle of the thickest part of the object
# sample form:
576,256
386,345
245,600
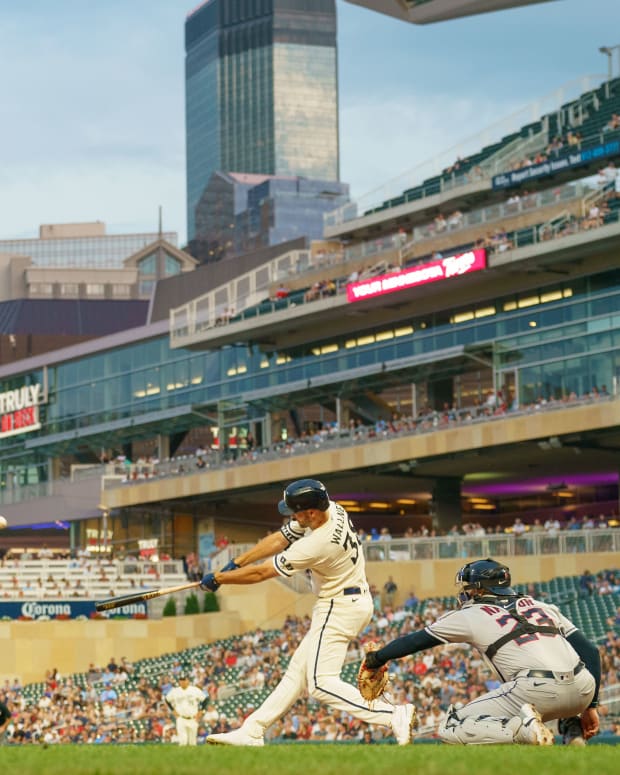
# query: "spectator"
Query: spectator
587,584
389,592
108,693
440,223
455,221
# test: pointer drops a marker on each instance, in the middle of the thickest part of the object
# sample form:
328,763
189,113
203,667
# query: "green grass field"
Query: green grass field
307,759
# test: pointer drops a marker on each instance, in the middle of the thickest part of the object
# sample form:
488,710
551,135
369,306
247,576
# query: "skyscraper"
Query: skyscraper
261,91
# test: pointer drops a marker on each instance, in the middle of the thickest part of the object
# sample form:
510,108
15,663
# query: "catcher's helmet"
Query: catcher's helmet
304,494
488,575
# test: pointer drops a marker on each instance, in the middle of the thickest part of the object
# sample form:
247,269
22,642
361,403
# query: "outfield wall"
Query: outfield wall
30,648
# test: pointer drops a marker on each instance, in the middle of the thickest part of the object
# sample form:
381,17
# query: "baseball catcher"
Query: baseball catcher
547,667
371,681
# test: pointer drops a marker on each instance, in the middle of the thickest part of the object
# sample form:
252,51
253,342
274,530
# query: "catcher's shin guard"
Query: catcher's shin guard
481,730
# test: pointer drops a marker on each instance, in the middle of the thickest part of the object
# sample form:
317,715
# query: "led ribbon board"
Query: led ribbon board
434,271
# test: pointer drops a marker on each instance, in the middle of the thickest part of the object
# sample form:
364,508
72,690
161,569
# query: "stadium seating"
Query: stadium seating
231,697
52,579
590,121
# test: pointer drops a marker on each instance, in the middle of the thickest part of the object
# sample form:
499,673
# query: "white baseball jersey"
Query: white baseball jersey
482,624
186,702
332,552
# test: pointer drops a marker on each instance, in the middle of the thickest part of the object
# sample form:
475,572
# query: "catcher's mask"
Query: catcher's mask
489,576
304,494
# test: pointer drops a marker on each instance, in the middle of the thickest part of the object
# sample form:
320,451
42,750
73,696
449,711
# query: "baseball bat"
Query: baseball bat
141,597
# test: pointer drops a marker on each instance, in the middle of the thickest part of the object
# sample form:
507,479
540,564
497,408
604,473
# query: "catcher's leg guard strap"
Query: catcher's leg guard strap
478,730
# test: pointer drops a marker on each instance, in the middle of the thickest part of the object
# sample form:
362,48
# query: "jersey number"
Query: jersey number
352,542
540,618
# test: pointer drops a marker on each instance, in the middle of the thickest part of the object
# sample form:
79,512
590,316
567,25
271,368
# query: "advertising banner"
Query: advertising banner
64,609
433,271
571,160
19,410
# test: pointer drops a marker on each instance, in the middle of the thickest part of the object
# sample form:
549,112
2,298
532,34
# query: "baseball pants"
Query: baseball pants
187,730
484,719
317,663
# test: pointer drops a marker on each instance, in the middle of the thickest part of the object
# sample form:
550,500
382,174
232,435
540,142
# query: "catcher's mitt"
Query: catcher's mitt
371,681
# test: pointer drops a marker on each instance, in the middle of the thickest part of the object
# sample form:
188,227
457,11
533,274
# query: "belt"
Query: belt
558,675
352,591
189,718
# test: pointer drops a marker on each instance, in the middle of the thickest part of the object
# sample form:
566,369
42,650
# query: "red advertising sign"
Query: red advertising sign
441,269
19,410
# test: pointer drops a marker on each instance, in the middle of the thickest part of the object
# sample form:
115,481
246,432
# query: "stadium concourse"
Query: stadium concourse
121,702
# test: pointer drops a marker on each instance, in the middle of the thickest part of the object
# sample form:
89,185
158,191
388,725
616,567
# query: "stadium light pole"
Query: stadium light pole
609,51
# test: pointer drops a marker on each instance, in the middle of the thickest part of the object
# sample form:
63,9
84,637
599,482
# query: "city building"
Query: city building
75,282
82,246
261,90
239,212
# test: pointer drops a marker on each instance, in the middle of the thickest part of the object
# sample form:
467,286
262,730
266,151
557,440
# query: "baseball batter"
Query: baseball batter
548,668
186,702
321,539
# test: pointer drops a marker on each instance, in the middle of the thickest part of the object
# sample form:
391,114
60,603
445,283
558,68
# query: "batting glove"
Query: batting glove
208,583
232,565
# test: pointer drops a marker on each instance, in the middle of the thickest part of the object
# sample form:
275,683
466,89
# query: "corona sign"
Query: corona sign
19,410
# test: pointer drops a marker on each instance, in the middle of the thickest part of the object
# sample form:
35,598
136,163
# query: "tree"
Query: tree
191,604
170,609
211,603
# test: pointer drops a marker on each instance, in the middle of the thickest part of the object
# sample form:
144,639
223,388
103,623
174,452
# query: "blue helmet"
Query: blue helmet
304,494
488,575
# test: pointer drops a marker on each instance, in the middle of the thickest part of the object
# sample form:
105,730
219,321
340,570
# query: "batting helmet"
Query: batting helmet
488,575
304,494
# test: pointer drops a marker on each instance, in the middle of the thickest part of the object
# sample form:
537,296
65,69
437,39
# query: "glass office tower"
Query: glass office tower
261,91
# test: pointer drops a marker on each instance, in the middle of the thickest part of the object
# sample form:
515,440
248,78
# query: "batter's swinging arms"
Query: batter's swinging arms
548,668
320,538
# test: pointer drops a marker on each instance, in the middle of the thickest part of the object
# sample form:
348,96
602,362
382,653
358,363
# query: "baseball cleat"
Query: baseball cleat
236,737
532,730
403,723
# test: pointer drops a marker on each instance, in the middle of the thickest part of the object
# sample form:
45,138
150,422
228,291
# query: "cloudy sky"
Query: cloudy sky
92,99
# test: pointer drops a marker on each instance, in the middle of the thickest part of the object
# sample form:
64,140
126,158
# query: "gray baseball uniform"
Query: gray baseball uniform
540,667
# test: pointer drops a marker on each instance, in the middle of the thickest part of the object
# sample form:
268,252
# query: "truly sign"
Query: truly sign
19,410
442,269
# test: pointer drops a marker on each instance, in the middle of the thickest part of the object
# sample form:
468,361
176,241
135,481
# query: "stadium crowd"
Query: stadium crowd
123,703
242,448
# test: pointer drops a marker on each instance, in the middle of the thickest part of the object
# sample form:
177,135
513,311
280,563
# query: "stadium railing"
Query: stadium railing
494,545
389,254
334,438
586,113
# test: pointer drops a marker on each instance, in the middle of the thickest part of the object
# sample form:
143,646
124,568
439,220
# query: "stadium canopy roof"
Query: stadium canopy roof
428,11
